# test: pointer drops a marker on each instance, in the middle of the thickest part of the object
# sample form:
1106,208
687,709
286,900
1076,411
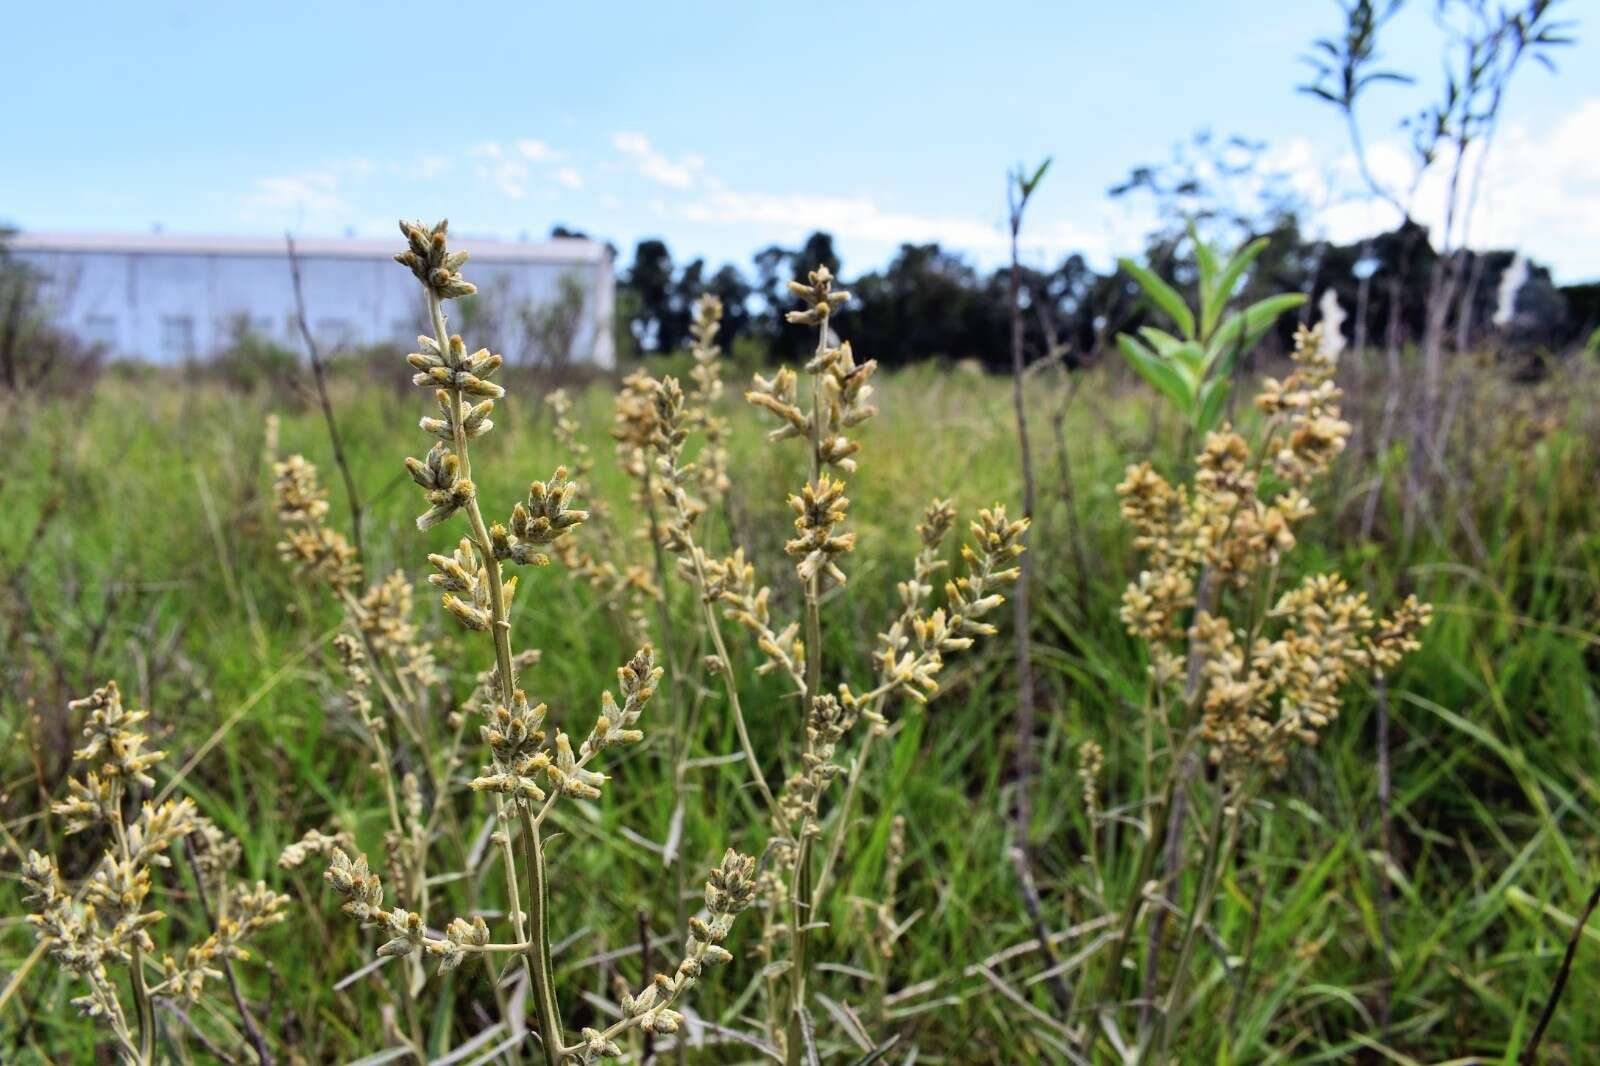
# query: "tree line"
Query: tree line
932,303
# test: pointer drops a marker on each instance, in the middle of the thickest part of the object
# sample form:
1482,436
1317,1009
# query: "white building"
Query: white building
168,298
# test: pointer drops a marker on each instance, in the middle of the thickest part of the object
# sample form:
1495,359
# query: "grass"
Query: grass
138,544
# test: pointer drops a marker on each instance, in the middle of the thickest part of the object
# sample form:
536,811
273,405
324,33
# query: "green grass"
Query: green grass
138,543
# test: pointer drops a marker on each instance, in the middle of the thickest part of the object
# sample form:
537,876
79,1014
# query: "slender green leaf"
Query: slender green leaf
1038,175
1191,361
1222,351
1161,374
1241,330
1162,295
1164,343
1227,280
1206,258
1267,311
1213,401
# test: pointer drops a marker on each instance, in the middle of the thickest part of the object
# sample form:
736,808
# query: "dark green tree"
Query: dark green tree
650,293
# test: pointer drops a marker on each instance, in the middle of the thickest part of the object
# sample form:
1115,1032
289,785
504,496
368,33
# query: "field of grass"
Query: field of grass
138,543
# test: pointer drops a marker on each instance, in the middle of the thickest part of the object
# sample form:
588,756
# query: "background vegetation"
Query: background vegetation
1409,892
141,546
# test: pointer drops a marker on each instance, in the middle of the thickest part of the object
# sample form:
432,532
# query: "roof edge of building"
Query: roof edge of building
574,250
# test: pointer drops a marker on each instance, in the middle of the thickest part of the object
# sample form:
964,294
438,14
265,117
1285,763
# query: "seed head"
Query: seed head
430,260
819,296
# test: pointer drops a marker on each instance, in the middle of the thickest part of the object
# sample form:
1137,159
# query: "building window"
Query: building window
100,330
177,337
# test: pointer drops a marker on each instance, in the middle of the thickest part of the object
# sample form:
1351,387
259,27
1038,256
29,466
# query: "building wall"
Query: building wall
167,307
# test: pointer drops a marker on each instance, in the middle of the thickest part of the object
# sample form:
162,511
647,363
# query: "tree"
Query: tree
816,251
649,283
792,342
1220,185
1484,45
730,286
925,305
773,270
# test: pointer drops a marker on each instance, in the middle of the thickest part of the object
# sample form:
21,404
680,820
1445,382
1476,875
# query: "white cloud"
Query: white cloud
872,229
319,191
1539,191
1542,193
507,165
868,225
300,193
858,217
429,167
508,176
537,151
673,173
421,168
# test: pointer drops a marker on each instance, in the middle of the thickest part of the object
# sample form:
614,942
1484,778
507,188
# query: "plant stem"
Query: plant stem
1246,968
1386,849
147,1018
508,864
802,896
799,937
536,963
680,741
538,953
714,629
141,995
1026,719
419,1046
1154,844
246,1019
1218,847
851,788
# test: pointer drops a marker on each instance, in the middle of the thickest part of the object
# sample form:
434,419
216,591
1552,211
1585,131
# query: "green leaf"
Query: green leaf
1038,175
1266,312
1213,401
1227,281
1191,361
1163,342
1241,330
1162,375
1260,316
1222,352
1206,257
1162,295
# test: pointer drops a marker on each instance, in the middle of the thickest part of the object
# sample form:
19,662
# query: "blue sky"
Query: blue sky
723,128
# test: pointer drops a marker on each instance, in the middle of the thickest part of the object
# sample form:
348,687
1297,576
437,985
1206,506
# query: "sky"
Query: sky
724,128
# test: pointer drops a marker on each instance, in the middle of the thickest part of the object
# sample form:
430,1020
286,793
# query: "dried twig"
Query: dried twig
1530,1054
318,372
251,1031
1019,187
